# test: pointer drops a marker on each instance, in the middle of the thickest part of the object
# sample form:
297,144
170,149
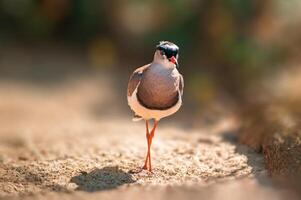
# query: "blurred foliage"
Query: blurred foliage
224,45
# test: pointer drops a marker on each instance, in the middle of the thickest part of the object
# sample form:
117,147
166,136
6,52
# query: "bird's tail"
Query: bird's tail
136,118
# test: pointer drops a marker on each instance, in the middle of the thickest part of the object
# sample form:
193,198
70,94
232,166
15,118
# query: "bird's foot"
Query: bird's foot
144,167
149,169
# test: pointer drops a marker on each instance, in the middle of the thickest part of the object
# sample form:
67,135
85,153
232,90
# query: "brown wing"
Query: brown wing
181,85
135,79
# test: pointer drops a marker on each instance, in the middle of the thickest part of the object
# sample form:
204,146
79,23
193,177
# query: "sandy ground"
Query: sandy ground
71,141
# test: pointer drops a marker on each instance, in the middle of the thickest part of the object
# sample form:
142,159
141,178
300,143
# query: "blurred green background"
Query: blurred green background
225,45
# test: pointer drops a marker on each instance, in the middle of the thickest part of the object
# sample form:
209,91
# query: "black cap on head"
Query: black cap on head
168,48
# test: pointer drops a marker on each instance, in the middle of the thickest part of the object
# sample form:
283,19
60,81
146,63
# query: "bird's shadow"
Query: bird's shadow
102,179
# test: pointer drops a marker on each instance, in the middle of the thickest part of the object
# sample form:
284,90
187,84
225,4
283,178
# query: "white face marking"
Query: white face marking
162,59
159,57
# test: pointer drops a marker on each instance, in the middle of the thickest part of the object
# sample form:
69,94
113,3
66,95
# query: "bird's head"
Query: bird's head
167,52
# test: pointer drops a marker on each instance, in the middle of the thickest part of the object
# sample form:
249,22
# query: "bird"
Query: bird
155,91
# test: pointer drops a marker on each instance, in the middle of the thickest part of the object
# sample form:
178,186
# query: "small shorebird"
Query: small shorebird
155,90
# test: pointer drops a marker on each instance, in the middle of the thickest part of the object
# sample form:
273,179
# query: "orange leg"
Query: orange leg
148,145
149,137
152,134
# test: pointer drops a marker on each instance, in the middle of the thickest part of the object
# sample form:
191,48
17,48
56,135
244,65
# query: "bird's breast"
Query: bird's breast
158,89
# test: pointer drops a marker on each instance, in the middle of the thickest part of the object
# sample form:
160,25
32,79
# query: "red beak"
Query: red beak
174,61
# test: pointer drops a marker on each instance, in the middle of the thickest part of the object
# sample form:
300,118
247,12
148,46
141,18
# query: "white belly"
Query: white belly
146,113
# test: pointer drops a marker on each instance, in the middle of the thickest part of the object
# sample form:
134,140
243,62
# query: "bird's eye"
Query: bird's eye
162,52
169,54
